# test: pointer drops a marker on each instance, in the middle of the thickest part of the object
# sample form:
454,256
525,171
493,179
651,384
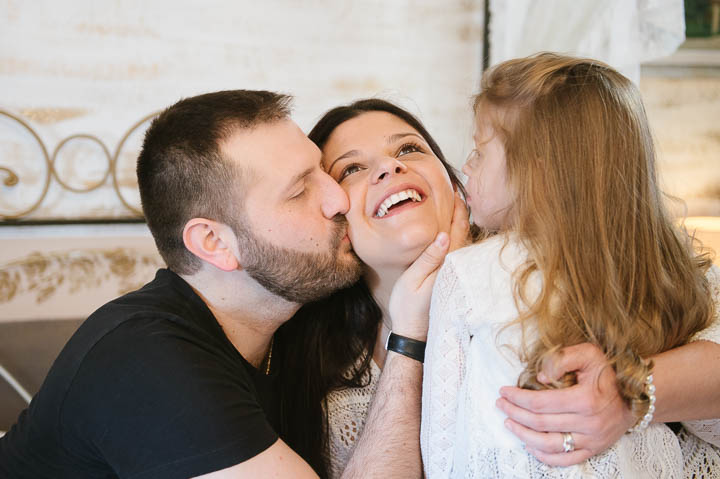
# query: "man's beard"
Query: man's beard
299,277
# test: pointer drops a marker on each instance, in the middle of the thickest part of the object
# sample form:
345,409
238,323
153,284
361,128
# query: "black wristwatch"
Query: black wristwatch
409,347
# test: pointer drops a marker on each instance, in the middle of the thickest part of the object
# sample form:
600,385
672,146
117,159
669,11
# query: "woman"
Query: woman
342,337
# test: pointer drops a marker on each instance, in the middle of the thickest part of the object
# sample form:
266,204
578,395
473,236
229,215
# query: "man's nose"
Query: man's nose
334,201
386,167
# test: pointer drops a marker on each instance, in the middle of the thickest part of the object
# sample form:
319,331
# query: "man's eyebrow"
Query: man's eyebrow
391,139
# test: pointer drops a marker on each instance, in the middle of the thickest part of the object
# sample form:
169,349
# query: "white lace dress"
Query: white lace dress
462,432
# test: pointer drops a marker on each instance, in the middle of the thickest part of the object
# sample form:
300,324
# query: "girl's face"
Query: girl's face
400,193
488,195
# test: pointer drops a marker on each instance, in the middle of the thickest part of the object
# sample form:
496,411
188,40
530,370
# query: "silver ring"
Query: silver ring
568,442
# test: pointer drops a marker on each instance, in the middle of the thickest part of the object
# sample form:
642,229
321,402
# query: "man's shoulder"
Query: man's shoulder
128,332
167,302
167,293
139,362
149,358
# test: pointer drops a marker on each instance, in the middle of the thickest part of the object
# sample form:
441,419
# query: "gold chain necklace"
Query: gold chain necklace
269,358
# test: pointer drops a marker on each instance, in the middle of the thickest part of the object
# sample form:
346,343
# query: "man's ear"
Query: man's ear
212,242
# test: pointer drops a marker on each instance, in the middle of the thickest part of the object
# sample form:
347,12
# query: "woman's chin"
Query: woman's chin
396,256
413,241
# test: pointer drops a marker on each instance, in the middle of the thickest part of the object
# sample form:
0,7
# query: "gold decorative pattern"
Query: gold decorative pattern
51,115
44,275
12,179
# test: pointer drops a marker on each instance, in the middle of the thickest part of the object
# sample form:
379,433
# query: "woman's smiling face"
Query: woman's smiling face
400,193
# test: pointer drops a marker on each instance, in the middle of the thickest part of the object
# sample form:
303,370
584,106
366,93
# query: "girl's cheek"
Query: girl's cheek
472,185
473,194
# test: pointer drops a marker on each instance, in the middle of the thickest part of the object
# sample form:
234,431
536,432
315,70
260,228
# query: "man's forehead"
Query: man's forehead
278,150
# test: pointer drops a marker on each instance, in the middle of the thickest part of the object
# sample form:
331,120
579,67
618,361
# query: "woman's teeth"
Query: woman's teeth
395,199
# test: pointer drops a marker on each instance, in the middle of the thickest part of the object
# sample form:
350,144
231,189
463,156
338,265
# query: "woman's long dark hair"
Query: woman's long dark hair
328,344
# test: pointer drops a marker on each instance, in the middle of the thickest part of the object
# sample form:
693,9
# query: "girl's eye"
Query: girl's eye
408,148
348,170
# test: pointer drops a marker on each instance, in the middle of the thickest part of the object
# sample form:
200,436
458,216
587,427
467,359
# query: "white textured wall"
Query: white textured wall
684,113
97,67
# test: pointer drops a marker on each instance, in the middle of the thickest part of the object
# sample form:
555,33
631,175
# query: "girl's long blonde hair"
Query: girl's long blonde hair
581,165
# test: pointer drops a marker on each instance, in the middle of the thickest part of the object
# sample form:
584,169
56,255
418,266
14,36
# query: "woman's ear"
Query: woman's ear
212,242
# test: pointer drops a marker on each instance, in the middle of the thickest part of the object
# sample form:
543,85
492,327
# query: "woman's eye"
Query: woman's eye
407,149
348,170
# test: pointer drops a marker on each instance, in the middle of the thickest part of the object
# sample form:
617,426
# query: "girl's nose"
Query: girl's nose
473,160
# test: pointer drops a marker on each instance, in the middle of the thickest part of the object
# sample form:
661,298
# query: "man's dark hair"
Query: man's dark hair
182,172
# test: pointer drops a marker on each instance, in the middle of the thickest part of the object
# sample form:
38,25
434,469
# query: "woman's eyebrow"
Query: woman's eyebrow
342,157
399,136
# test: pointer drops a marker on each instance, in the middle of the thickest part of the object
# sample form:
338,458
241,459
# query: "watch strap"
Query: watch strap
409,347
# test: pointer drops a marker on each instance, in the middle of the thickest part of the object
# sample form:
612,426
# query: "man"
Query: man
175,379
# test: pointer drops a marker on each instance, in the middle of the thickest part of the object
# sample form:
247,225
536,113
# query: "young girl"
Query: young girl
564,172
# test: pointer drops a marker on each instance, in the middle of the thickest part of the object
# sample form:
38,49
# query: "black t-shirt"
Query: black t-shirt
148,387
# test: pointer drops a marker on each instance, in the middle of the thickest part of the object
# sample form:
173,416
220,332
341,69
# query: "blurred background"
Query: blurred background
80,80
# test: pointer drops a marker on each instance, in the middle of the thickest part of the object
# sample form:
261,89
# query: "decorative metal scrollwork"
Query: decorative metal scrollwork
12,179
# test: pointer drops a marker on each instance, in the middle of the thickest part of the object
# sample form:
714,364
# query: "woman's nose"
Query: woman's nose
387,167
